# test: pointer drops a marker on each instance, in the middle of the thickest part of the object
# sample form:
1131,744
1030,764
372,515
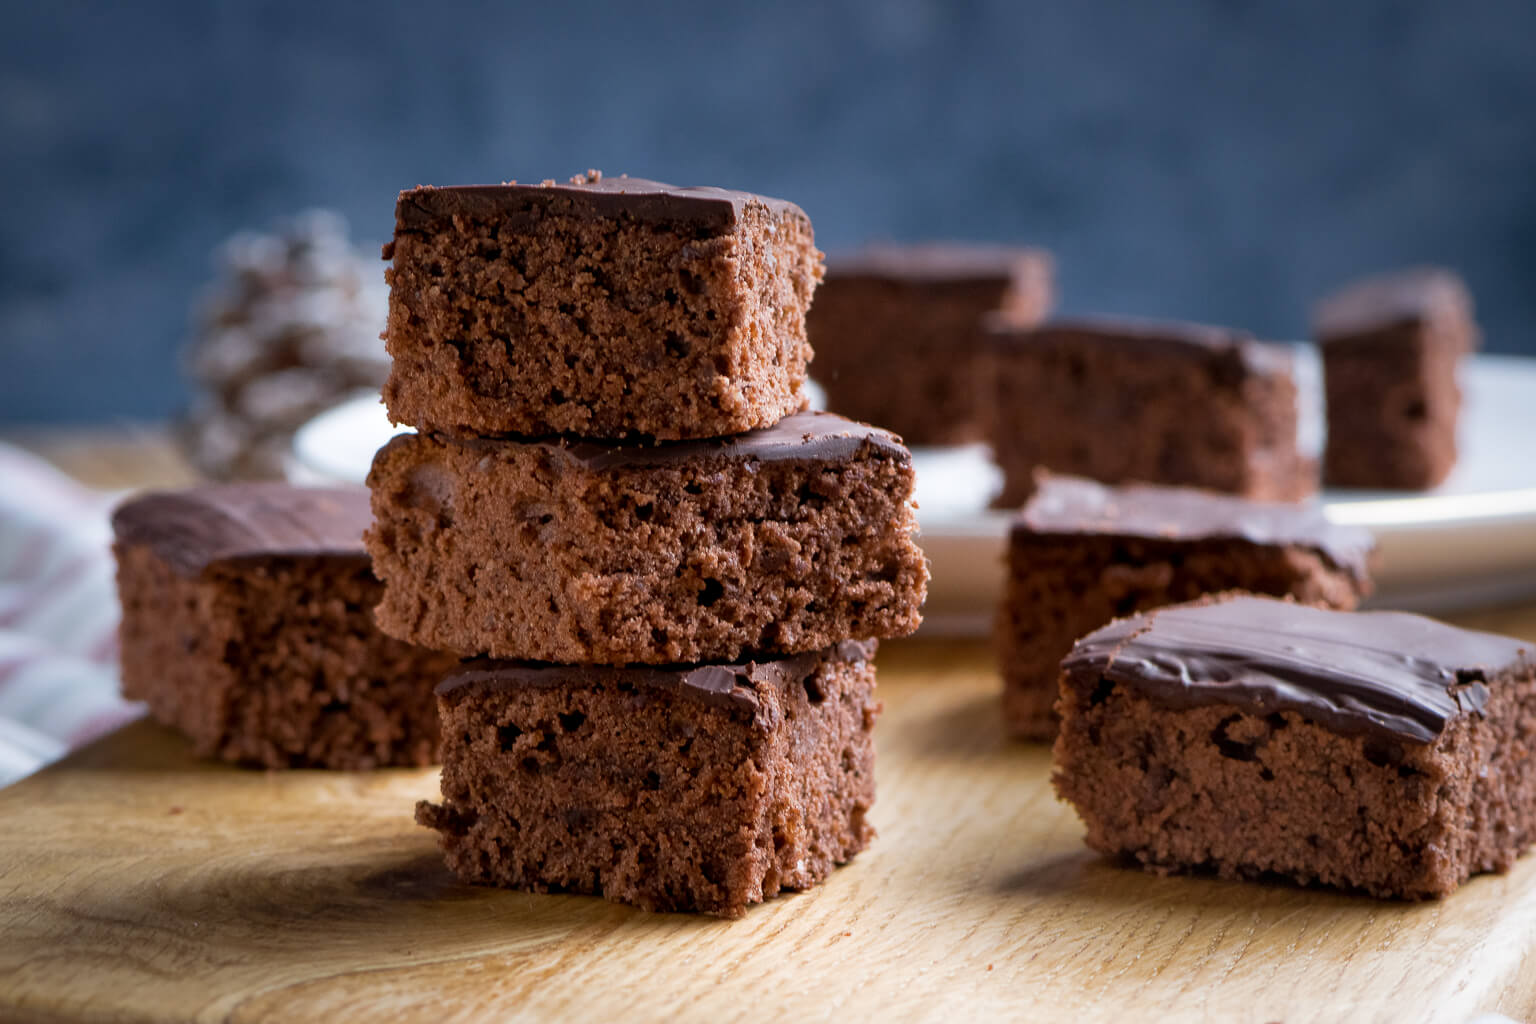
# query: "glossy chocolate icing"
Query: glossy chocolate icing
1167,338
801,435
732,686
1066,505
1390,674
1392,299
194,529
701,207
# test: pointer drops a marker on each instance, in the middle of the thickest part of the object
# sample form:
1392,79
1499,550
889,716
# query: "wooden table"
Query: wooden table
129,455
138,884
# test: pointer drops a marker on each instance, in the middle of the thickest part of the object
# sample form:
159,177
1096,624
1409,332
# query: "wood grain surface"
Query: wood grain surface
139,885
127,456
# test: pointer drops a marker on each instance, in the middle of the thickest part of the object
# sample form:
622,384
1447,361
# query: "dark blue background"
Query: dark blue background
1223,161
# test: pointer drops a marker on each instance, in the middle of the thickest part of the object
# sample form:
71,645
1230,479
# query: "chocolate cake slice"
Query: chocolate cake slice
899,337
1081,554
606,307
248,625
1391,345
1122,401
1378,752
696,788
781,540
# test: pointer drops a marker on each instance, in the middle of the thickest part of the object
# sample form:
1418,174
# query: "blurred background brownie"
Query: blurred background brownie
694,788
897,331
1391,345
1122,400
1081,554
1371,751
602,308
779,540
248,625
290,330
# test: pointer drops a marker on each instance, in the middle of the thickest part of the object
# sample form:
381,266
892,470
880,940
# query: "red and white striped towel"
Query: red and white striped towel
58,616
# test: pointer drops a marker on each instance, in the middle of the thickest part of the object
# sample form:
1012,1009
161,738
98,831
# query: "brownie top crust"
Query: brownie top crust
194,529
1166,338
591,195
1388,674
731,686
1387,300
940,262
1067,505
821,436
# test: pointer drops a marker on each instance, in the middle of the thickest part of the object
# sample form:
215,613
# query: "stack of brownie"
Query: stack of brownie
670,579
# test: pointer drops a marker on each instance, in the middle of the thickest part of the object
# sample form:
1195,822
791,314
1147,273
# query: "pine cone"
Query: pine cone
291,329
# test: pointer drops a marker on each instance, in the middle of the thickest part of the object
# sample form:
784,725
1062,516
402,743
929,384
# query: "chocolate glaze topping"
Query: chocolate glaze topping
1068,505
732,686
1390,674
1162,337
801,435
941,262
1387,300
194,529
592,195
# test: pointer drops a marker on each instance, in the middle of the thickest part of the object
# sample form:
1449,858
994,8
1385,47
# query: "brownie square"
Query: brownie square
781,540
899,336
606,308
248,625
1133,400
1081,554
1390,347
1376,752
698,788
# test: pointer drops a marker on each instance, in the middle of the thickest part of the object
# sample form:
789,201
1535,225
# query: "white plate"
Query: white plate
1470,541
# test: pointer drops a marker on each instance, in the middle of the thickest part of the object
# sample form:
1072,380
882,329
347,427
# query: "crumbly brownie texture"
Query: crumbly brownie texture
702,788
780,540
1377,752
1165,403
1390,347
606,308
1081,554
248,626
899,339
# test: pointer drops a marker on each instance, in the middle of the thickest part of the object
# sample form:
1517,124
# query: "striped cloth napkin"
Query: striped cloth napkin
58,616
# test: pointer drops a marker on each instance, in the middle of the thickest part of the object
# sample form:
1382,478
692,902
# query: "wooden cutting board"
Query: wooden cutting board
137,884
